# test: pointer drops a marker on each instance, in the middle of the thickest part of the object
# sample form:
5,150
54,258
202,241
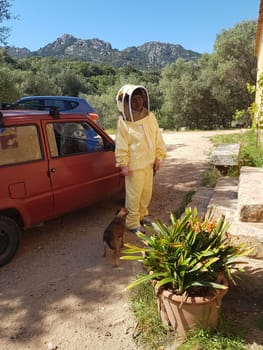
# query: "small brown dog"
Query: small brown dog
113,235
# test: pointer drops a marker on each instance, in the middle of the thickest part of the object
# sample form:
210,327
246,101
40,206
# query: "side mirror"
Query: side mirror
109,146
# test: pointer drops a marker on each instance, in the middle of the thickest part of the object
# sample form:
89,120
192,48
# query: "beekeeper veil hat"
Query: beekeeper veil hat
124,96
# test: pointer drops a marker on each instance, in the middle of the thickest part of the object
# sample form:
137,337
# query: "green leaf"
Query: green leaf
208,284
144,279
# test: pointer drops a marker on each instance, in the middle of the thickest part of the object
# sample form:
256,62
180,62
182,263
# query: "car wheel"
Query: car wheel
9,239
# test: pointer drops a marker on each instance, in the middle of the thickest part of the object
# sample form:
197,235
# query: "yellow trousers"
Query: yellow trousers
138,187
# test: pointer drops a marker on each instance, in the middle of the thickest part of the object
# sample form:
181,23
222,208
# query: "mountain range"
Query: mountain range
151,55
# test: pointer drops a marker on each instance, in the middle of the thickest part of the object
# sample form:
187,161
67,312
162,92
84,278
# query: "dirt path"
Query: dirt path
59,293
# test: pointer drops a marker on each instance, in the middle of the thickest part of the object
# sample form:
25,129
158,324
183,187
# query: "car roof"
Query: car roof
13,117
29,115
23,112
69,98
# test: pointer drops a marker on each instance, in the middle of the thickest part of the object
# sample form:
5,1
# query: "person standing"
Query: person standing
140,148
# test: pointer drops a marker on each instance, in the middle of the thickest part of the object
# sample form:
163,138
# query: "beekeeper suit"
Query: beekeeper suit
139,151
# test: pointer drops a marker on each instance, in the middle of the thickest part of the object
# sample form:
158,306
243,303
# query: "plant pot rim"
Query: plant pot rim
214,293
218,294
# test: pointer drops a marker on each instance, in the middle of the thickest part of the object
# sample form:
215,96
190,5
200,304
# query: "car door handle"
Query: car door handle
53,170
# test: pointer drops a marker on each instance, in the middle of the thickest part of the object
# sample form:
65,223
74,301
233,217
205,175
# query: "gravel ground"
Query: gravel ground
60,293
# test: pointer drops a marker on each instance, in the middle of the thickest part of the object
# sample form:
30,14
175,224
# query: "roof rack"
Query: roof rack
1,120
54,112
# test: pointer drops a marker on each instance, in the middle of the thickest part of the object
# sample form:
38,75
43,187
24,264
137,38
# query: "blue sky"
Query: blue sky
194,24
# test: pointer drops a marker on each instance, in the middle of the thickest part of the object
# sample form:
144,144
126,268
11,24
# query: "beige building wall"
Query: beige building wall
259,56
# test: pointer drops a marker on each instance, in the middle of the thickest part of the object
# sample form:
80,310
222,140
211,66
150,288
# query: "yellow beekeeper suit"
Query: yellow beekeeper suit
139,144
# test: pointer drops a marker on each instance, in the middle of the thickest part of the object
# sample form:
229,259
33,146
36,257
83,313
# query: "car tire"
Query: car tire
9,239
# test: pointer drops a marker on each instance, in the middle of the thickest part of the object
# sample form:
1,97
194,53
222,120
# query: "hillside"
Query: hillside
147,56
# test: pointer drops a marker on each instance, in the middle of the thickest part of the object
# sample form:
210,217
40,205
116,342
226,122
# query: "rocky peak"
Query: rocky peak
149,55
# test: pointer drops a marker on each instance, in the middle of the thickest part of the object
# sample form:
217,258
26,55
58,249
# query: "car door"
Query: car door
25,184
82,164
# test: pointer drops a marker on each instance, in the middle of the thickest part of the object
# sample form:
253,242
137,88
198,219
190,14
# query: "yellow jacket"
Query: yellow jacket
139,143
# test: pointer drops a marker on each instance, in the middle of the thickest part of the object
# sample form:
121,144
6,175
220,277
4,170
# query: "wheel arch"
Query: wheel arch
14,214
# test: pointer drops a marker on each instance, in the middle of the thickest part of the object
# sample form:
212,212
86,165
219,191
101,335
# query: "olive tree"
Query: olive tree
5,15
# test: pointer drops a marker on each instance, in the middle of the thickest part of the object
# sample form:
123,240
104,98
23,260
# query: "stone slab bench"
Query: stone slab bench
250,194
225,156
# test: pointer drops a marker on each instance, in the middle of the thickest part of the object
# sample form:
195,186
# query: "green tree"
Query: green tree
234,67
70,83
5,15
178,87
9,90
206,94
33,85
106,107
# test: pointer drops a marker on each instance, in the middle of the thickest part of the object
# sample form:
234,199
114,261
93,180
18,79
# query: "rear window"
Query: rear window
62,104
19,144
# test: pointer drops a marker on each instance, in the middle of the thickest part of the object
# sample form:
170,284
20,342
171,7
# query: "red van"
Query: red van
50,164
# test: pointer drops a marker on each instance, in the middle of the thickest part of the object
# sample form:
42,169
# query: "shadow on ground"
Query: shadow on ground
243,304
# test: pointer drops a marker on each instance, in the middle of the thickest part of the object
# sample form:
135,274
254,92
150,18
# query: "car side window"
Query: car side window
52,102
73,138
31,104
19,144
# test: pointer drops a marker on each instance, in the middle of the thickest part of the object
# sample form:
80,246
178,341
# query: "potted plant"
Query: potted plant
190,263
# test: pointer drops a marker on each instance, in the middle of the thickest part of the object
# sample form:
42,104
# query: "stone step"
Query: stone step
223,199
250,194
201,199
